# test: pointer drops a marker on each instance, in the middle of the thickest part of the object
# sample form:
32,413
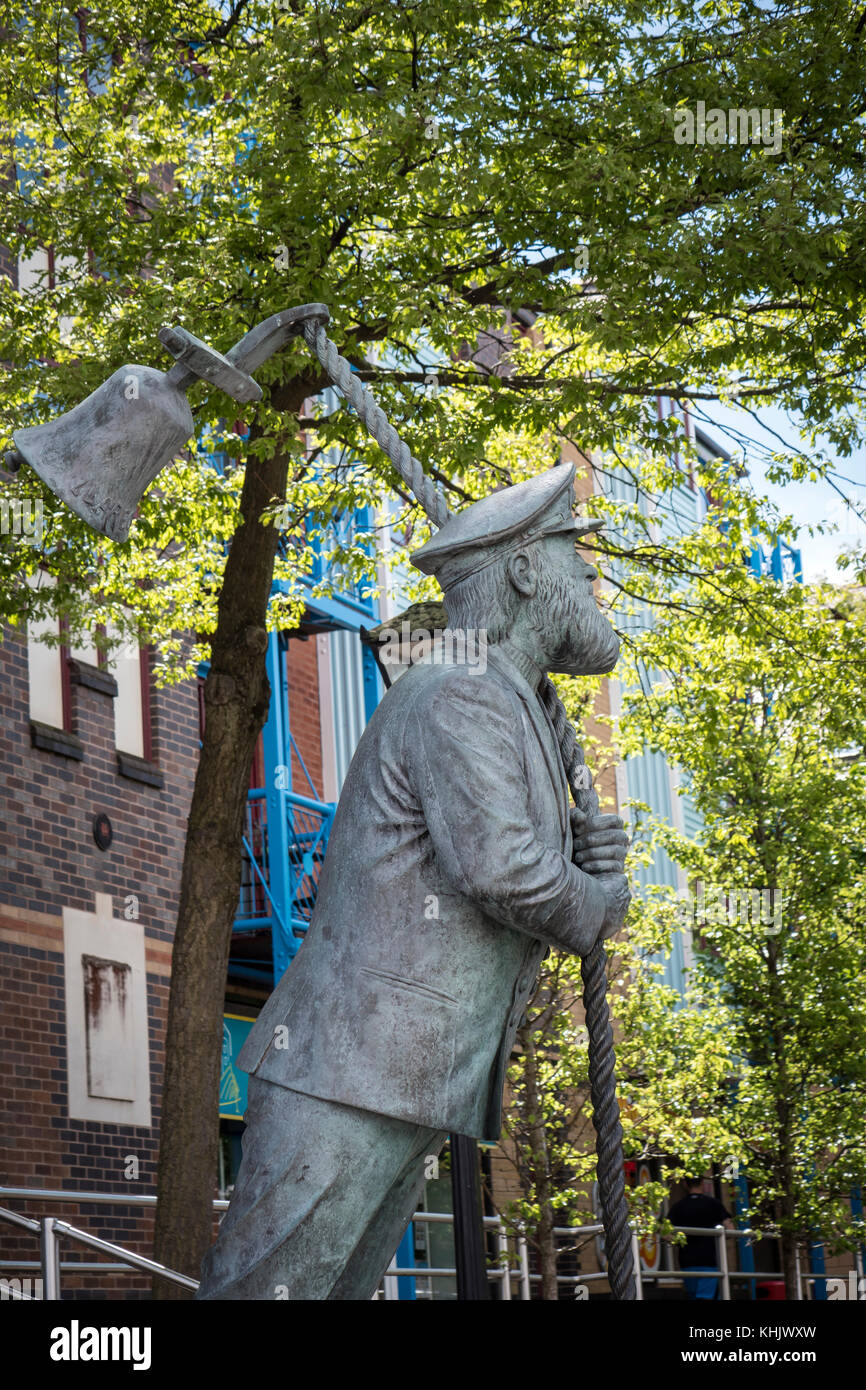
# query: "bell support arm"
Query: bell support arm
268,337
198,361
231,373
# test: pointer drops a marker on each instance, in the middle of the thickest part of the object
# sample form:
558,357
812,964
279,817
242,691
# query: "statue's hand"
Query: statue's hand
600,847
618,896
600,843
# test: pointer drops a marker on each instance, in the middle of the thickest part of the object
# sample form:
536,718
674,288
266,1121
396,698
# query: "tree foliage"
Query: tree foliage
769,725
435,174
428,171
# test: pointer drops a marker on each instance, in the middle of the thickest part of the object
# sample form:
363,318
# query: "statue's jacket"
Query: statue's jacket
447,876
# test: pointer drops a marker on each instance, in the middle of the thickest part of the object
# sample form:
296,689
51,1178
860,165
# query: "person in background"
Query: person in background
698,1208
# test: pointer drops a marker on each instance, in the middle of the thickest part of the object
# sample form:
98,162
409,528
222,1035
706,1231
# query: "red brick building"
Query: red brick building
98,782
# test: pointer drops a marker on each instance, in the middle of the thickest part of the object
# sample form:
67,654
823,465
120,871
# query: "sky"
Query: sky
809,503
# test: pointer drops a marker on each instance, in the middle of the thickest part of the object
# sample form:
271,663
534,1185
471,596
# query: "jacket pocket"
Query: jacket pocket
412,986
406,1037
274,1015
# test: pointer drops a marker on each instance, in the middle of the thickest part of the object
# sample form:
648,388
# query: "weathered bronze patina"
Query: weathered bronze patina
451,868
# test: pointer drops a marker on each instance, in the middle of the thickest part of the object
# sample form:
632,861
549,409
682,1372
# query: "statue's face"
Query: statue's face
566,619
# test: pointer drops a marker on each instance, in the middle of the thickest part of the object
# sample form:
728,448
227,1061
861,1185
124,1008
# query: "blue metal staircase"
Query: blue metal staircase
286,831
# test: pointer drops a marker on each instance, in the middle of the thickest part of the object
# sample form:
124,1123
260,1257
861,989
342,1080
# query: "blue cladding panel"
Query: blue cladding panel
648,780
647,776
347,689
692,819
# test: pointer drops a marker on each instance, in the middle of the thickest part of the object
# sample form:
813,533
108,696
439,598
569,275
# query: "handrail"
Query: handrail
16,1219
106,1247
77,1196
71,1266
265,885
52,1229
306,803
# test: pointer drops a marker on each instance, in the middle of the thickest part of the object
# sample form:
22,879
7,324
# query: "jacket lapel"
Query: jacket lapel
544,731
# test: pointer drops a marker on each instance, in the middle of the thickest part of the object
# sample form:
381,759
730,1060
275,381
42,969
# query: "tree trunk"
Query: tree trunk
236,695
789,1266
545,1237
785,1211
783,1169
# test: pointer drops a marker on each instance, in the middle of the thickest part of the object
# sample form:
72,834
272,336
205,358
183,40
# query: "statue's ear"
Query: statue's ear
522,573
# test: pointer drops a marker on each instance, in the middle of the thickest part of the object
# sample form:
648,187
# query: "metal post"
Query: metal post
722,1262
817,1265
277,751
523,1257
504,1261
407,1290
391,1283
745,1249
799,1274
469,1253
49,1255
858,1271
635,1255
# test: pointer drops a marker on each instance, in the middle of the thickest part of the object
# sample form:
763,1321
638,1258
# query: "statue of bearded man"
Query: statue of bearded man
452,866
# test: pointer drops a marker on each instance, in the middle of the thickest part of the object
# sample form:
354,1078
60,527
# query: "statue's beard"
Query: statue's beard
578,639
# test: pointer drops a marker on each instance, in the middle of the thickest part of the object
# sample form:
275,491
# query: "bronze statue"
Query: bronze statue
450,869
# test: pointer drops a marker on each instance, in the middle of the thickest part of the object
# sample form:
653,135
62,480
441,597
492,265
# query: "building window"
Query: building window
130,666
107,1030
46,665
35,271
128,711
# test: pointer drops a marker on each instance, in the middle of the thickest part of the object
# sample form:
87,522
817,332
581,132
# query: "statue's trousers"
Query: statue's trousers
323,1196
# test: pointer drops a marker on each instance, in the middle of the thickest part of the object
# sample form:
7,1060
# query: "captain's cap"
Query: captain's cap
512,517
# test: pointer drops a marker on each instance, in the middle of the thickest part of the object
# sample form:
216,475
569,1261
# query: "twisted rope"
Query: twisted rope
602,1061
372,415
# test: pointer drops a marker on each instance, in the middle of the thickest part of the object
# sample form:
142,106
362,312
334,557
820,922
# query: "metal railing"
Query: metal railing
52,1230
309,825
504,1275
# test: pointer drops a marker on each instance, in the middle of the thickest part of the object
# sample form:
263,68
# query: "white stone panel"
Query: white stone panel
43,666
108,1066
125,666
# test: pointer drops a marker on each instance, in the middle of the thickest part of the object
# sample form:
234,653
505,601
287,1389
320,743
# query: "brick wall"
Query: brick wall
304,713
50,861
8,259
8,262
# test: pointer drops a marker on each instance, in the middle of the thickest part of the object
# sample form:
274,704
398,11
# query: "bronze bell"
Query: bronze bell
100,457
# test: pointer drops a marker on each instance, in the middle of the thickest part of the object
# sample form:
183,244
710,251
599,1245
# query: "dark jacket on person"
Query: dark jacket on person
697,1209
